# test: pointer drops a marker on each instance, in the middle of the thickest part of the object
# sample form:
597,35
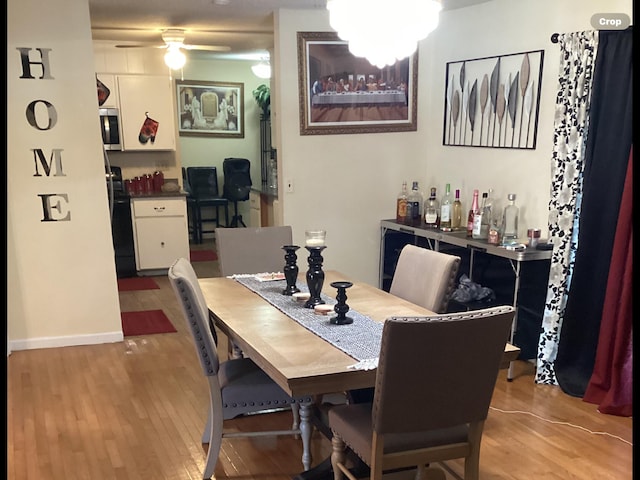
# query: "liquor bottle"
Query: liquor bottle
456,213
401,205
414,200
432,210
472,212
446,210
487,215
510,220
478,221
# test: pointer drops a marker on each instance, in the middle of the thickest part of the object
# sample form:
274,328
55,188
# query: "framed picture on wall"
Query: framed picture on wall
210,108
493,101
341,93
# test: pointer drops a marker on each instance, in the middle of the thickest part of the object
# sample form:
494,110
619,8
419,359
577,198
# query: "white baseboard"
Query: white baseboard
52,342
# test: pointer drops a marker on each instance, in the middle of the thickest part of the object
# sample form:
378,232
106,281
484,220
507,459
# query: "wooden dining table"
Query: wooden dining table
297,359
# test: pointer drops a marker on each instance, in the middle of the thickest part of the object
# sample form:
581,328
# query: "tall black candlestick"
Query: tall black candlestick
341,307
290,269
315,276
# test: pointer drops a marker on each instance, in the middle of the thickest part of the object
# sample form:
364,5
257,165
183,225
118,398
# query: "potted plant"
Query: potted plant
262,96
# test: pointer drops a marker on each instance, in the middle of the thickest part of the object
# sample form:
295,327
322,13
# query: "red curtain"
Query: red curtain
611,384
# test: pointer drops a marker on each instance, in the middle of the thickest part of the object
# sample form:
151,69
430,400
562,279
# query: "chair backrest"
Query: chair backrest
203,181
237,179
439,371
185,284
252,249
425,277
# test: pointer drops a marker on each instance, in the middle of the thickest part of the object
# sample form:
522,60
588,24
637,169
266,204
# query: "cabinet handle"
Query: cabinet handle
159,209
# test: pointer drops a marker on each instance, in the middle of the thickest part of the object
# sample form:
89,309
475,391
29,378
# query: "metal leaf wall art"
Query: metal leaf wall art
493,101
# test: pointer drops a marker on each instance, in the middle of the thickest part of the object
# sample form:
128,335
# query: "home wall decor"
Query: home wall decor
342,93
493,101
210,108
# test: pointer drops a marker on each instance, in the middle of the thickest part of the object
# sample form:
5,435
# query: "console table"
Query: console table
518,277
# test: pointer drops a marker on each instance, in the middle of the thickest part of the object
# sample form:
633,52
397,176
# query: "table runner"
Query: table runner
360,339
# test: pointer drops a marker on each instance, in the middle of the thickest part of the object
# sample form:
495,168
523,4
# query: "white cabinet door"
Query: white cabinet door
161,234
109,81
146,112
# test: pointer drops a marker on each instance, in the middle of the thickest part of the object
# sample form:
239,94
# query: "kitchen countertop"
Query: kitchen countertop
179,193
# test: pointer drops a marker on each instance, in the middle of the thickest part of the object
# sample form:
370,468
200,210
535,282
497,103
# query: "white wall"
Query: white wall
61,278
348,183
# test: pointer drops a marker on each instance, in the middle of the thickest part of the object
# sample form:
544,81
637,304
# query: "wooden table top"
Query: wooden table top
298,360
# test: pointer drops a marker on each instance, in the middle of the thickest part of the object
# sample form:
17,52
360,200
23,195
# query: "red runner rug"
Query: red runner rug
145,322
203,255
136,283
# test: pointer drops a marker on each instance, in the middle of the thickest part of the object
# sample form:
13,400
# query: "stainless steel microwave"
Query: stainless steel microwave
110,128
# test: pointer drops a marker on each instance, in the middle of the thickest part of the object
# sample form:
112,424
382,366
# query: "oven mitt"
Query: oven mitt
103,92
148,130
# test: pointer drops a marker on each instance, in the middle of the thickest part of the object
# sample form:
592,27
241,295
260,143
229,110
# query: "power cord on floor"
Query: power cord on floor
563,423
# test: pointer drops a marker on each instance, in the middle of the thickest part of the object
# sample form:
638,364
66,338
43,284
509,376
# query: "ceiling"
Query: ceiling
245,26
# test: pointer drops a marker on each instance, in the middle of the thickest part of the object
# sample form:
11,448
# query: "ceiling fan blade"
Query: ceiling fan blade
141,45
210,48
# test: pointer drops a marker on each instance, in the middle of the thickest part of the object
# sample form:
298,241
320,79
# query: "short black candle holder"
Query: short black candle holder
341,307
315,276
290,269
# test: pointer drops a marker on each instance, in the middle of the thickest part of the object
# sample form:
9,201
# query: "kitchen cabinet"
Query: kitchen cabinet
160,231
109,81
144,100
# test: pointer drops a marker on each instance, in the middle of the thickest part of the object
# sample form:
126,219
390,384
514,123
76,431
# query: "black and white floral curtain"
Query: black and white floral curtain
578,53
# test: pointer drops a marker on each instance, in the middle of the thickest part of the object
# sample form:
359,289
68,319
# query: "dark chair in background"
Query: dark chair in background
203,183
191,206
237,185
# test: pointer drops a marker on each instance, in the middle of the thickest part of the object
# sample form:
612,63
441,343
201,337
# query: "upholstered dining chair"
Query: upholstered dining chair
236,386
252,249
425,277
434,383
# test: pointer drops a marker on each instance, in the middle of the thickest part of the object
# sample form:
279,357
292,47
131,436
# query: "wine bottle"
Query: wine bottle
414,199
401,205
478,221
446,210
472,212
456,213
432,210
510,220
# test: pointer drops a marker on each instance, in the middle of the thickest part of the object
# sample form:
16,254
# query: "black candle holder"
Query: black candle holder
290,269
341,307
315,275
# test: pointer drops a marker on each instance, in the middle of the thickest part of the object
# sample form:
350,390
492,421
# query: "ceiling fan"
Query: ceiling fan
173,39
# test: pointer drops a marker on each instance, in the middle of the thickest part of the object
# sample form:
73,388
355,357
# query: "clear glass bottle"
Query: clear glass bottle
414,200
456,213
446,207
510,220
432,210
472,213
401,204
480,228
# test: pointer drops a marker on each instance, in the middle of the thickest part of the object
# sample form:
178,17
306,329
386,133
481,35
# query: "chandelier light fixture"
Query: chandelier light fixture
383,32
262,69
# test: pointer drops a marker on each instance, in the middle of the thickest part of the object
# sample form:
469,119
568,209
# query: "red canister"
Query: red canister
158,181
138,185
147,181
128,186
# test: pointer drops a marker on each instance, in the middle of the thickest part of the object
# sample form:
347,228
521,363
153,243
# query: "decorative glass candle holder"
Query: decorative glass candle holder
315,238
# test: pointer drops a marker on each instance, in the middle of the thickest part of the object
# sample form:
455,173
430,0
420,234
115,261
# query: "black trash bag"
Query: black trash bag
469,291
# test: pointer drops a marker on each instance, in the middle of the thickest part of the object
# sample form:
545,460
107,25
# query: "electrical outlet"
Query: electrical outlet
289,186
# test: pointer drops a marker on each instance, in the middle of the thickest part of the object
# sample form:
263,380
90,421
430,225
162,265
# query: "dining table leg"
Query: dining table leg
305,432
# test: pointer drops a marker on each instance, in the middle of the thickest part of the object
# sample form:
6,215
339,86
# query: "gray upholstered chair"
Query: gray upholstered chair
236,386
252,249
433,388
425,277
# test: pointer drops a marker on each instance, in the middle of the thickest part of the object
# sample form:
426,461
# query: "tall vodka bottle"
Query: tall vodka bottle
446,207
510,220
414,200
478,222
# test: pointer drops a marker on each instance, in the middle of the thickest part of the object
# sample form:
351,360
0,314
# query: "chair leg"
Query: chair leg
214,424
338,457
295,411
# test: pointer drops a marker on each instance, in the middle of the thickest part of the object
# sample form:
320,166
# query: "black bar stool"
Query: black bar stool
203,182
237,185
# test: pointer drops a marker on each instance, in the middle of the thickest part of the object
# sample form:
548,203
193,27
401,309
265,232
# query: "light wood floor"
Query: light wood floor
136,409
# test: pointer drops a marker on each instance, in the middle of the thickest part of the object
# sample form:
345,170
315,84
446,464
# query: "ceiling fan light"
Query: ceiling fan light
261,70
174,58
